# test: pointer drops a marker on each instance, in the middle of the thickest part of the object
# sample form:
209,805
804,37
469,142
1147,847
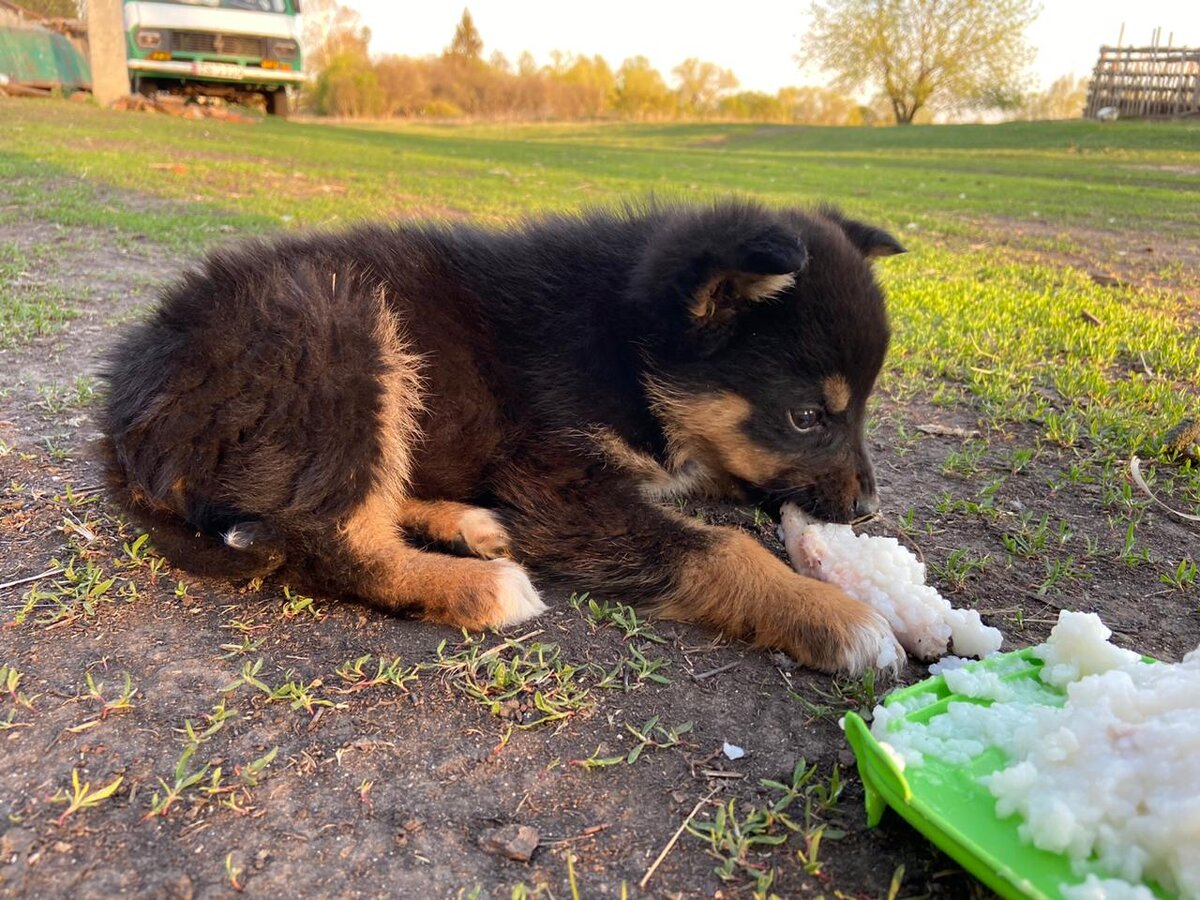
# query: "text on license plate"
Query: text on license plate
220,70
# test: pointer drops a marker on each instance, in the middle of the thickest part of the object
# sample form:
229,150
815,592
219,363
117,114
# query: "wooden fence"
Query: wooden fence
1145,82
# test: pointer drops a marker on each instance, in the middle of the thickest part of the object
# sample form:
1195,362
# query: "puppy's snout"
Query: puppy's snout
866,505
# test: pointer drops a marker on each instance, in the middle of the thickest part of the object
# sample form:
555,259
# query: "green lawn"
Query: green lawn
989,322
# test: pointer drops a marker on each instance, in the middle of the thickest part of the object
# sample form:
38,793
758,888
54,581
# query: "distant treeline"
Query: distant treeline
461,83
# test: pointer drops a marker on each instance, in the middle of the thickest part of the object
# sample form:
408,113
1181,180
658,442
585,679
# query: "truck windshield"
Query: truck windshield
277,6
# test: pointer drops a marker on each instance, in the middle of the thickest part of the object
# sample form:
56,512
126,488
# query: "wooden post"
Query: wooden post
106,50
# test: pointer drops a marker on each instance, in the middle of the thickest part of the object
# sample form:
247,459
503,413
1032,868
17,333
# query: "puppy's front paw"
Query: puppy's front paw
515,597
483,534
870,644
838,634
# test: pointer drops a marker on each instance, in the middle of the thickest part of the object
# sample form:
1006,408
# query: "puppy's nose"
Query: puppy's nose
866,505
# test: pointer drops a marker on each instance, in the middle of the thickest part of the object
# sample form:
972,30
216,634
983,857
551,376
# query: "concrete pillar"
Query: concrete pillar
106,49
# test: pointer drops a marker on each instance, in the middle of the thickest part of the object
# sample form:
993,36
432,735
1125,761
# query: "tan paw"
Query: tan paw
871,645
516,599
483,534
842,635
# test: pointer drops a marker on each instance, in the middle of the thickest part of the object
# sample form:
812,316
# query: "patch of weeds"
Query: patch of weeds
1018,459
534,676
138,554
633,670
56,449
121,702
234,873
213,722
73,593
249,643
961,564
1184,576
965,461
56,399
295,692
182,780
208,783
30,305
848,692
1031,537
81,796
984,504
617,615
391,673
651,736
296,605
1130,553
734,838
10,686
1059,571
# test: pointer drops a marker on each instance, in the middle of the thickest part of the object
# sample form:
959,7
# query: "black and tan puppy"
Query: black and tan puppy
412,415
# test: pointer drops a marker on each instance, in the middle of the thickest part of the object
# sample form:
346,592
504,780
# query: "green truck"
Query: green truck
236,49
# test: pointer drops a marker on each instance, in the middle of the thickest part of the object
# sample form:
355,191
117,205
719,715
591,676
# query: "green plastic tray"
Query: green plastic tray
949,806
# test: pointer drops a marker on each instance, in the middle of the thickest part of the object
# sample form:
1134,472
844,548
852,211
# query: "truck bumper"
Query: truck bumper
208,71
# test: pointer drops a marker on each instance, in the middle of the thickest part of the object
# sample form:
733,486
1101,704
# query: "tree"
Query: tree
53,9
466,45
1064,99
641,91
701,85
941,54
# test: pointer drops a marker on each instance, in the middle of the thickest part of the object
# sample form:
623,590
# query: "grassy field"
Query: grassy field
1047,328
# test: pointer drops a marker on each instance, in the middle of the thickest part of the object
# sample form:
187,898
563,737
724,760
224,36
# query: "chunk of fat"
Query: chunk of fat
881,572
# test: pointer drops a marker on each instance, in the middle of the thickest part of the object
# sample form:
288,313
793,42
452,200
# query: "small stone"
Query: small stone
732,751
517,842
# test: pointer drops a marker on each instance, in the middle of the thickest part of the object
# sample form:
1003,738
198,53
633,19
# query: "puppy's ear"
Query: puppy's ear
702,268
759,269
872,242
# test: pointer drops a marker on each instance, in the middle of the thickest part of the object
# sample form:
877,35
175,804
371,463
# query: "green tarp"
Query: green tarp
41,58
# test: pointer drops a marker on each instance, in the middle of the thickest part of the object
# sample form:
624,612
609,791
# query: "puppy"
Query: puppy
416,415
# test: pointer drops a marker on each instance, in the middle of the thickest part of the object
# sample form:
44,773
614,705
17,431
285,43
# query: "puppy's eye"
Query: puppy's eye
804,419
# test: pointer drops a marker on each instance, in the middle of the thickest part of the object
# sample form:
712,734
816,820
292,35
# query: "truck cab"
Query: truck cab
235,49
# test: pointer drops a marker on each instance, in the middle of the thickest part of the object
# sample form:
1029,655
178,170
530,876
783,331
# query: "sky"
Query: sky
757,39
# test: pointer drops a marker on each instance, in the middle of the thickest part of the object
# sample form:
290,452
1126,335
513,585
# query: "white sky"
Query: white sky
757,39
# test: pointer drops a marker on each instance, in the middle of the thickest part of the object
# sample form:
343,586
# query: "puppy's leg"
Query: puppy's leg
470,529
467,593
594,527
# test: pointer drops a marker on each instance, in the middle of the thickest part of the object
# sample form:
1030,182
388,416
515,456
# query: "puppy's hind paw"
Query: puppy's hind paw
483,534
516,598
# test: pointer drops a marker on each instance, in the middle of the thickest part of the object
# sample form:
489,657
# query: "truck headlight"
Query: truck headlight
149,40
283,49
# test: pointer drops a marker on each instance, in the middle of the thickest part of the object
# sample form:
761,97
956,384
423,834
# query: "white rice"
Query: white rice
1111,779
881,572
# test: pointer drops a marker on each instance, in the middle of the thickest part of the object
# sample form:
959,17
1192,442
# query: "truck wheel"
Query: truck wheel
277,103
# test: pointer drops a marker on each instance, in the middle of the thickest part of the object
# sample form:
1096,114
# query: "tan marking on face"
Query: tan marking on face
707,430
837,393
717,299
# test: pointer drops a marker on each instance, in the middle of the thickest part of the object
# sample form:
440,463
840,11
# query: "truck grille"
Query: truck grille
218,44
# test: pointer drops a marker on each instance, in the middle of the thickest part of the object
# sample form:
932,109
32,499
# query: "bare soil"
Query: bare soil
389,790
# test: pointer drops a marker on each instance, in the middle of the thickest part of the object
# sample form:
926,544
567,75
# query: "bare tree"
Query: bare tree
944,54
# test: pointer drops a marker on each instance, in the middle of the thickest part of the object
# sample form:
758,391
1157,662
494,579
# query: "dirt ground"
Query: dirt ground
346,785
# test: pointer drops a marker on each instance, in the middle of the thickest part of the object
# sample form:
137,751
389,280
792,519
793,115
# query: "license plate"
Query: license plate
220,70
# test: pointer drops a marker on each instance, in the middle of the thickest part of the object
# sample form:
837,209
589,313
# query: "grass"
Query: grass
30,305
1055,378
